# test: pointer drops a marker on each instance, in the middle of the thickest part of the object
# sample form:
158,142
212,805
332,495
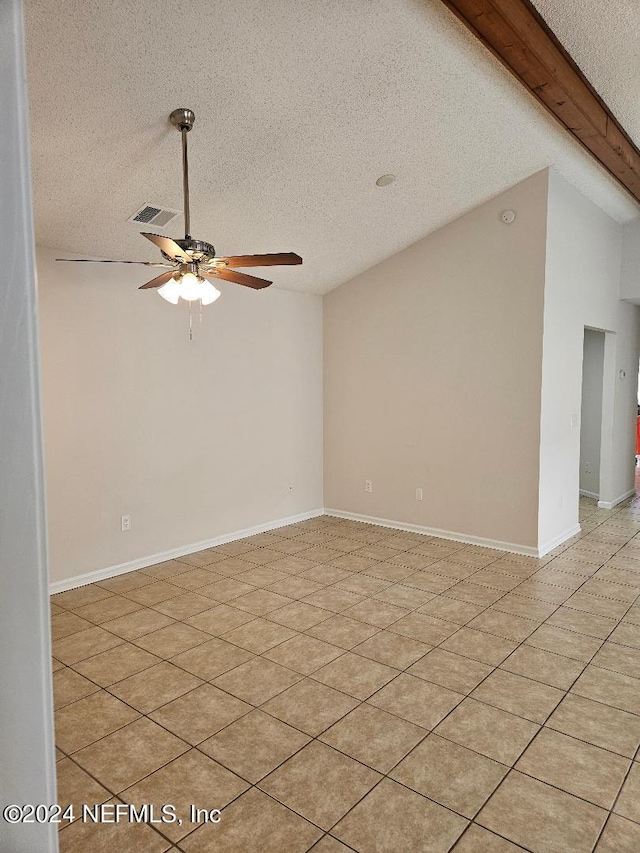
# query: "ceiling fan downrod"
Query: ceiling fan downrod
183,119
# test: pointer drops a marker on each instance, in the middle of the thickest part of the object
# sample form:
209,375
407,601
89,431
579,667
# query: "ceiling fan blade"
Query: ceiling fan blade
169,247
158,281
95,261
237,277
277,259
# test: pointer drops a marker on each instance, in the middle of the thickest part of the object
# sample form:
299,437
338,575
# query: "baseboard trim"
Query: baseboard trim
558,540
585,494
614,503
151,560
510,547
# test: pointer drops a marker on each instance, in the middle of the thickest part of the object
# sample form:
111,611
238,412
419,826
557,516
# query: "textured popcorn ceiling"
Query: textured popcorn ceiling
603,36
300,106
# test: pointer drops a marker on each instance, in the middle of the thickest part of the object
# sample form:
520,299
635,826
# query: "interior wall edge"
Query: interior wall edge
616,501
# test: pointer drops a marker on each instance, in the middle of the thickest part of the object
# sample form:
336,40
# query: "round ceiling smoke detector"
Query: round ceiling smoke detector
385,180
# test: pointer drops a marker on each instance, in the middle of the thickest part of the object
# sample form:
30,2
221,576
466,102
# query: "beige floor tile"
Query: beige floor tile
598,724
254,822
475,593
220,619
299,616
479,840
404,596
260,576
68,687
200,558
403,829
106,837
330,845
75,787
378,613
606,589
162,571
333,598
528,608
137,624
363,585
310,706
261,601
295,587
254,745
183,606
628,804
619,658
450,774
56,665
627,635
426,629
232,567
429,581
584,623
211,659
451,609
90,719
497,580
377,552
568,643
320,784
392,649
107,609
202,712
612,688
259,635
66,623
595,604
342,631
192,778
154,687
323,575
262,556
579,768
547,667
84,644
303,654
194,579
415,700
542,818
154,593
257,680
224,589
479,646
72,598
619,836
125,757
450,670
534,588
504,625
116,664
518,695
487,730
373,737
170,641
355,675
391,572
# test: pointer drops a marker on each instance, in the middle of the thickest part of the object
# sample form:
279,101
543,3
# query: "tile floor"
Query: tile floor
335,686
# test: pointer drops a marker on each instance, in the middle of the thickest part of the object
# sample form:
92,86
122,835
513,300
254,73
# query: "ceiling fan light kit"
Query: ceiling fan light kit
189,263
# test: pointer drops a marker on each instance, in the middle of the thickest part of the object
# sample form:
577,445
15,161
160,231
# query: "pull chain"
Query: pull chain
190,324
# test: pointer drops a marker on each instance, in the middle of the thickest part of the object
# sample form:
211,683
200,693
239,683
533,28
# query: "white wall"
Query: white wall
630,283
584,248
432,377
27,763
193,439
591,412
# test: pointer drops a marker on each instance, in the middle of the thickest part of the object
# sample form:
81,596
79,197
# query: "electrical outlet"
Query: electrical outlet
125,523
418,494
368,486
587,467
290,488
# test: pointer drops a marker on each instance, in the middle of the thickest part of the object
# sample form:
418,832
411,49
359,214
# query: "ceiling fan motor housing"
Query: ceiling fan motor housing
196,249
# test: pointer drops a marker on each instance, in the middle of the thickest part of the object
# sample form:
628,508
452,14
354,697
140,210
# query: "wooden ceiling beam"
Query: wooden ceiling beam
517,35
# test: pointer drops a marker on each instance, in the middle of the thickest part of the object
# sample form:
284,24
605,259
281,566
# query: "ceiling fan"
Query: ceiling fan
189,259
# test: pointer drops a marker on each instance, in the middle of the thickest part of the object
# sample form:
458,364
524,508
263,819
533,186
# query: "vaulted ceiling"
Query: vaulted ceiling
300,106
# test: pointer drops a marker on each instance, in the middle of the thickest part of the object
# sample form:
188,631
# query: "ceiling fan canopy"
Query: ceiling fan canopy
190,263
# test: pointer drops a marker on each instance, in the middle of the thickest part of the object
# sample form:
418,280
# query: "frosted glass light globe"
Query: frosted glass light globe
190,287
208,293
170,291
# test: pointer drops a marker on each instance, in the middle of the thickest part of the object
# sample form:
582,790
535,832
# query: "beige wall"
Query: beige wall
193,439
432,377
583,265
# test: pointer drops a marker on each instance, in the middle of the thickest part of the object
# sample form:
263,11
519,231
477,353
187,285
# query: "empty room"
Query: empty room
320,333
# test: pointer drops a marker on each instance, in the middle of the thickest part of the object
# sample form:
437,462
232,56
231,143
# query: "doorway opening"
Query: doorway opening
591,414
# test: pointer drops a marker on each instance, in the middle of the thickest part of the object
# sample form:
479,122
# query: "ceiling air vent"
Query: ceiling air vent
153,214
